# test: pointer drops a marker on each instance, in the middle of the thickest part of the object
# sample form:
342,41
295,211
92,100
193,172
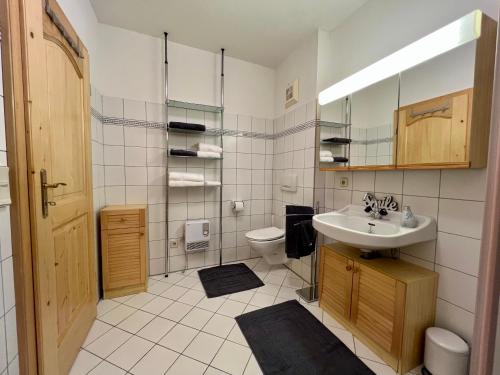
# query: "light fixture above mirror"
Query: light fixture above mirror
456,34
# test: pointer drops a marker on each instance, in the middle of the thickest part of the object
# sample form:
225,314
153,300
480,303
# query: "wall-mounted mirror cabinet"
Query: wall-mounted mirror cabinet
435,114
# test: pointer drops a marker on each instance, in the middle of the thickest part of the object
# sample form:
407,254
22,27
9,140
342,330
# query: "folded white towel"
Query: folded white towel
325,153
208,147
176,183
182,176
325,159
212,183
208,155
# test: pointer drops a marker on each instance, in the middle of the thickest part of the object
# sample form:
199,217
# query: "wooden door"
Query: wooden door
336,283
378,307
58,93
435,131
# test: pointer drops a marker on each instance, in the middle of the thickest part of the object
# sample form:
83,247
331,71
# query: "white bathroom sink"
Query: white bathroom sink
350,226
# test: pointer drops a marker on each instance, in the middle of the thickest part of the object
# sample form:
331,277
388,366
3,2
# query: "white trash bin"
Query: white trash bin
445,353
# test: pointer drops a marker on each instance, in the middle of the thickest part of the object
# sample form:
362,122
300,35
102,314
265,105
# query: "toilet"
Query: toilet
269,243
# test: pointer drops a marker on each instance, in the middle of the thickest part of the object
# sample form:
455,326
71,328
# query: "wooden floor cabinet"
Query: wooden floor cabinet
386,303
124,250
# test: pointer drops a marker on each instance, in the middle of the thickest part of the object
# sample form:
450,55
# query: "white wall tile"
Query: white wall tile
114,176
9,297
464,184
11,334
3,346
363,181
457,288
5,233
459,253
156,138
455,319
114,155
421,183
155,157
113,135
135,156
461,217
135,136
115,195
422,205
390,182
136,194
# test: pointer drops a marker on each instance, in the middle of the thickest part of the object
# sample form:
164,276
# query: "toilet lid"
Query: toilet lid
265,234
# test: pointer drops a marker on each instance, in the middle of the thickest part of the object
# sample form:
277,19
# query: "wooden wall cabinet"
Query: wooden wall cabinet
124,250
386,303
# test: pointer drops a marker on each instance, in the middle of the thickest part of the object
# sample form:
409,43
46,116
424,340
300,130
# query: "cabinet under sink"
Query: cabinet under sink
386,303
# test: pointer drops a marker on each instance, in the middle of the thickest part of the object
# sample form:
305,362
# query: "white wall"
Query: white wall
81,15
301,64
130,65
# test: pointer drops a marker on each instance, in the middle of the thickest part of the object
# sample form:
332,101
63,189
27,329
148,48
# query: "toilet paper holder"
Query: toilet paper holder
238,205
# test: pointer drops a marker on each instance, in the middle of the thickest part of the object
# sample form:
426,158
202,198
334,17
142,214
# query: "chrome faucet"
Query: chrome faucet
374,211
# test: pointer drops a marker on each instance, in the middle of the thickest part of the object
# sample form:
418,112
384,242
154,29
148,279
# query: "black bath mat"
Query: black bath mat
287,339
228,279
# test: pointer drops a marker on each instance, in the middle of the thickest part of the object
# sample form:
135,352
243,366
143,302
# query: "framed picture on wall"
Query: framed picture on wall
292,93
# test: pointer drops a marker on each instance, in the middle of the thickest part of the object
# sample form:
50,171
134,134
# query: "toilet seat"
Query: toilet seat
265,234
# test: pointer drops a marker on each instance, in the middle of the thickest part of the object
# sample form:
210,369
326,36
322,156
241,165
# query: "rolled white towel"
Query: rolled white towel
177,183
182,176
212,183
208,155
208,147
325,159
326,153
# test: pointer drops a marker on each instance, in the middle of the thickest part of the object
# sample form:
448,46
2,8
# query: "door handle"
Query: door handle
54,186
44,186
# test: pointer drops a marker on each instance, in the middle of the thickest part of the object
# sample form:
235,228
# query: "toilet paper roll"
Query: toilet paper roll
238,206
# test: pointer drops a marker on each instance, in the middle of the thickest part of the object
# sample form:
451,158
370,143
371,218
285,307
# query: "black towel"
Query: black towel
175,152
295,235
338,141
186,126
340,159
306,237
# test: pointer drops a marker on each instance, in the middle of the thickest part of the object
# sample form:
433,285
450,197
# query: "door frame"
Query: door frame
15,28
12,26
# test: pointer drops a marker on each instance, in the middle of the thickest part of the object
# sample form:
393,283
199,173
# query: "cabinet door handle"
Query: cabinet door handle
348,268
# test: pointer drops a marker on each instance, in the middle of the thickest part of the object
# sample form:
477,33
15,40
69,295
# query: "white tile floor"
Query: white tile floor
175,329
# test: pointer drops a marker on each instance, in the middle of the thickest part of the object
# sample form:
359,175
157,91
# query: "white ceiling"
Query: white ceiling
260,31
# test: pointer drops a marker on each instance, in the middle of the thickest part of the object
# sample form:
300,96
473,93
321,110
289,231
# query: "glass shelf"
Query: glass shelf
330,124
192,157
195,106
211,132
196,186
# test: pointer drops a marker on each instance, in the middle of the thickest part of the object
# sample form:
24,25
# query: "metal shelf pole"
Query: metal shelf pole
222,146
167,258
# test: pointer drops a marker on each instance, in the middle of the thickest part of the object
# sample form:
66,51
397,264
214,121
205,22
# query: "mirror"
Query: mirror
358,131
334,134
373,128
436,101
434,112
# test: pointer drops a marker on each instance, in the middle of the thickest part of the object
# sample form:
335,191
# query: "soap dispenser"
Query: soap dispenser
408,220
